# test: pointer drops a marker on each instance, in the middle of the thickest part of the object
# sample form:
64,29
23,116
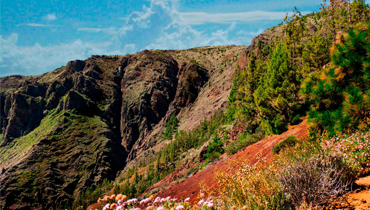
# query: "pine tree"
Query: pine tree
315,55
158,162
340,93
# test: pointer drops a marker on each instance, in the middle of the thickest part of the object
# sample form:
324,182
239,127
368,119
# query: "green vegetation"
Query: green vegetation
283,81
298,171
243,141
340,94
215,149
134,184
267,93
290,141
25,143
171,127
92,193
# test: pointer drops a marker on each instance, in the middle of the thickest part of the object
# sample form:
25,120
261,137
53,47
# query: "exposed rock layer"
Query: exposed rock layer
79,124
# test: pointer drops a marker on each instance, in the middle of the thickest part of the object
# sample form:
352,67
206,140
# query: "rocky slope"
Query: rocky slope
79,124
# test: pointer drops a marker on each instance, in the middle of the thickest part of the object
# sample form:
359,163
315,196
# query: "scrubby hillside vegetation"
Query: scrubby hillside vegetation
84,135
313,66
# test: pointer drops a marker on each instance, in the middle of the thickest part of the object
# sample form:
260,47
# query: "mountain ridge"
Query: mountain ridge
86,95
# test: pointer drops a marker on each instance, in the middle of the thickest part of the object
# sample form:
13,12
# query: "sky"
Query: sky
40,36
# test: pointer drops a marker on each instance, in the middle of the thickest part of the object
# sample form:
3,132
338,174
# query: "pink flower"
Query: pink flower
179,207
210,205
187,199
160,208
200,202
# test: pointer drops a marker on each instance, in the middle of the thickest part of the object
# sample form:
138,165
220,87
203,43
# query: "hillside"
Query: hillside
163,122
82,123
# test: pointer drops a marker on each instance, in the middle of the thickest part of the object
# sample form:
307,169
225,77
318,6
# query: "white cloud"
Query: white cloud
37,59
181,37
250,33
50,17
199,18
111,30
39,25
122,31
158,26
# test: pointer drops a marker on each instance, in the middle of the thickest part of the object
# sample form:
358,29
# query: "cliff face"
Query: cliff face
79,124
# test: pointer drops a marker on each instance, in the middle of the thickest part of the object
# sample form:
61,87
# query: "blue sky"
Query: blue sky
39,36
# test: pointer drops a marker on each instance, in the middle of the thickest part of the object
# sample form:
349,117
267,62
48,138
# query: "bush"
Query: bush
250,187
231,149
213,156
288,142
355,146
171,127
317,179
215,148
243,140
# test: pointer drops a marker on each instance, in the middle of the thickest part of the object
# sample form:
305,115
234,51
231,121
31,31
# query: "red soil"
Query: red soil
190,187
356,200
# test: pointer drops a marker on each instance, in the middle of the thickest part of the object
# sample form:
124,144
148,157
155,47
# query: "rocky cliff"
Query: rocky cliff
82,123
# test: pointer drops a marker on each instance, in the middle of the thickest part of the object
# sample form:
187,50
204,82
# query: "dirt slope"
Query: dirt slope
190,186
357,200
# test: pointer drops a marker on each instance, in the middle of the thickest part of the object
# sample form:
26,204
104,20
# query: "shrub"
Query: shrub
317,179
213,156
231,149
355,146
243,140
288,142
215,148
171,127
251,187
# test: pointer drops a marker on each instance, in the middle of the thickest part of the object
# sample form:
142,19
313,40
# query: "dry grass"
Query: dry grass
302,177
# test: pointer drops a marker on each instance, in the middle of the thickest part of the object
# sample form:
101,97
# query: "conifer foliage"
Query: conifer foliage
340,94
267,92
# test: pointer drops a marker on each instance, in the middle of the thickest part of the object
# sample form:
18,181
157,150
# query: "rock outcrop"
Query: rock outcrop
73,127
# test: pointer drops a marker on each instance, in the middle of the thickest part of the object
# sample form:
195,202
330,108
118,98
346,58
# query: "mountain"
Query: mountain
82,123
134,124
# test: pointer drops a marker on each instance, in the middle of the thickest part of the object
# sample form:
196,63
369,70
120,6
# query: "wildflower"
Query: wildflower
105,199
202,195
149,207
179,207
113,206
106,206
188,198
210,204
119,197
160,208
200,202
124,197
157,200
151,197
